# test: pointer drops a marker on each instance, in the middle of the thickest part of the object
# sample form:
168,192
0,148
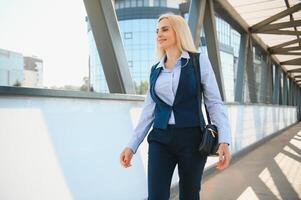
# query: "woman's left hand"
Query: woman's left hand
224,156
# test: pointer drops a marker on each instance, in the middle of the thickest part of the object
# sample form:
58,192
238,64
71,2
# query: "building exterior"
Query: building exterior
17,70
137,23
33,72
11,68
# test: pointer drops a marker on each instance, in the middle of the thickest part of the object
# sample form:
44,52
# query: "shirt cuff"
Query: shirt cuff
132,145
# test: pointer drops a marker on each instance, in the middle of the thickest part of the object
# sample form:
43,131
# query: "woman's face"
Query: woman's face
166,36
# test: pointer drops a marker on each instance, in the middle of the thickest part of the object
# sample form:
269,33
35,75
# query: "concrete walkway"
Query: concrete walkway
270,172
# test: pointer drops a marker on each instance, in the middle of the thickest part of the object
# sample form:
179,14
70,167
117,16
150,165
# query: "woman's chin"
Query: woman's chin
163,47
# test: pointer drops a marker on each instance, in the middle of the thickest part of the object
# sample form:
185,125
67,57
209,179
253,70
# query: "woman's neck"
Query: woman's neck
171,56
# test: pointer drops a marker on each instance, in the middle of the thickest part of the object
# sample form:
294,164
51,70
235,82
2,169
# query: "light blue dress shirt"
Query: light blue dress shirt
166,87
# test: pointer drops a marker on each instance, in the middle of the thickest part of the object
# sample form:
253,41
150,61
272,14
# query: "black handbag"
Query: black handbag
209,140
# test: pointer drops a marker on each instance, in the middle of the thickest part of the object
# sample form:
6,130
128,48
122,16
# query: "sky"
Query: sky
52,30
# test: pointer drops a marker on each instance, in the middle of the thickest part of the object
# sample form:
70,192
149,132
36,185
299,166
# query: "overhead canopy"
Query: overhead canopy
278,24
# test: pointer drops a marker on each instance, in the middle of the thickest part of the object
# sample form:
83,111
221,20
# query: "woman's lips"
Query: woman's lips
160,41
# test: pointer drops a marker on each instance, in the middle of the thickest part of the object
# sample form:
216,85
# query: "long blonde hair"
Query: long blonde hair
183,34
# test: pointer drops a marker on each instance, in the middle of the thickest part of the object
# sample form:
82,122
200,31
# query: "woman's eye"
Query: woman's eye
157,31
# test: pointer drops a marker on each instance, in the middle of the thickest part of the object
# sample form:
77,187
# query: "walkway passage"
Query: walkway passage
270,172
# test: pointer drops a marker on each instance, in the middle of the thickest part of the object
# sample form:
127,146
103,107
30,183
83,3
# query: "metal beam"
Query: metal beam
295,94
103,20
250,74
299,104
289,53
289,91
285,44
279,86
276,86
227,12
282,32
296,61
230,15
213,45
284,88
277,26
196,18
241,67
294,70
284,50
279,15
292,19
224,8
267,80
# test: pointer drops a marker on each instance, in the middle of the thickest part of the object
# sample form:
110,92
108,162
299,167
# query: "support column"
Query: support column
299,100
103,20
295,94
279,85
269,80
213,46
241,67
250,74
276,86
196,18
284,89
290,91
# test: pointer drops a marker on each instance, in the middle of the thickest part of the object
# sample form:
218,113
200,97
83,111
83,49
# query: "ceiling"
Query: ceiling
280,30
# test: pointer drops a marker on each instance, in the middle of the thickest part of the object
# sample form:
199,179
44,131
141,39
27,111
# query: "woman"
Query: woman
171,106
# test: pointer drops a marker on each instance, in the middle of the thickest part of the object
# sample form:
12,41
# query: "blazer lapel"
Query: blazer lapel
153,80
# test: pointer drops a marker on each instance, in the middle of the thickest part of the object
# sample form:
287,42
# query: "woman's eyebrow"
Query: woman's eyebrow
162,27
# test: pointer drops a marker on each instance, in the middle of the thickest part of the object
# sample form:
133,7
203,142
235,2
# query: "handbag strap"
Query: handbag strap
195,58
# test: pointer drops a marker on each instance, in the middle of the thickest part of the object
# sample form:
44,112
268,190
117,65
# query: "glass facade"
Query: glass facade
139,51
259,79
229,41
138,36
120,4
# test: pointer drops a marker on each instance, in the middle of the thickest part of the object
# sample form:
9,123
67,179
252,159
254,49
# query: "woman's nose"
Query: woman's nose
159,34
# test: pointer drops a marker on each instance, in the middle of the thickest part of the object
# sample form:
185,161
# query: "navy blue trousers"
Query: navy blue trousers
167,148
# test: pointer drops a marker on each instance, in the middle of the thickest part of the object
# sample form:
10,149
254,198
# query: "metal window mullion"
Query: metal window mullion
213,45
241,66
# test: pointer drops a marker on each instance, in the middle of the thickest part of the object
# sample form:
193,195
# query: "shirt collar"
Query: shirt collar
184,54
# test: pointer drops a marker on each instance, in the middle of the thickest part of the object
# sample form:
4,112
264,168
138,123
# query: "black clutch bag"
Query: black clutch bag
209,140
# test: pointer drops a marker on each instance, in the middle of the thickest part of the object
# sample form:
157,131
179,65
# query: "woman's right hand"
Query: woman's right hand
126,157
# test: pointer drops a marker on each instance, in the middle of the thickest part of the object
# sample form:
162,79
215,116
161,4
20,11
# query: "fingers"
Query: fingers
228,158
222,164
125,160
224,159
221,157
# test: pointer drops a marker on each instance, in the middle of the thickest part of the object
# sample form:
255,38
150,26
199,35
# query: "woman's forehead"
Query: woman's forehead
163,22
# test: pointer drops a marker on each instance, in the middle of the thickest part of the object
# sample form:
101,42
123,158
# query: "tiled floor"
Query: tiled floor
270,172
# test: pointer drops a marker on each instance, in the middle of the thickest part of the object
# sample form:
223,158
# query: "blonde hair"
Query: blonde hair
183,34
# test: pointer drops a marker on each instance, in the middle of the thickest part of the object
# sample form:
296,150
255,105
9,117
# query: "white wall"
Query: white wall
68,148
